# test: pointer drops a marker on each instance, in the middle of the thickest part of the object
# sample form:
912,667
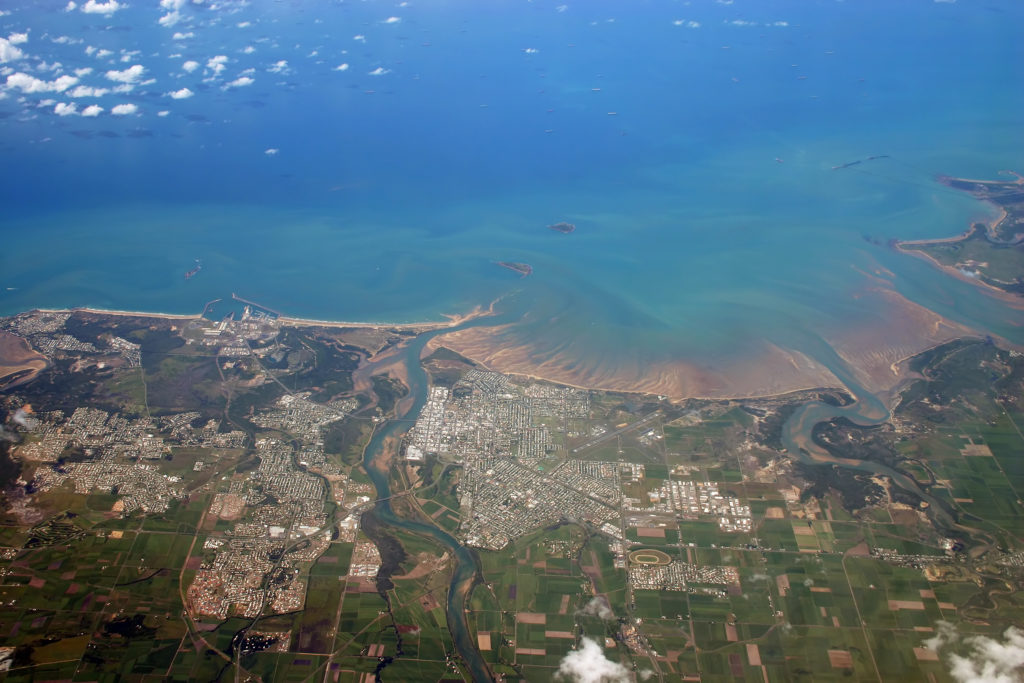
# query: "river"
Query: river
376,461
866,410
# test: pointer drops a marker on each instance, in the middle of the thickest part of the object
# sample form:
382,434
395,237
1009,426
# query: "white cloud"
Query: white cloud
379,71
93,7
169,19
130,75
530,50
17,38
561,8
240,82
123,88
780,23
124,109
341,67
70,7
216,64
589,665
190,66
31,84
84,71
988,660
271,152
183,36
182,94
92,110
598,607
361,38
742,22
8,52
249,49
164,113
687,24
88,91
278,67
393,20
244,24
65,109
172,5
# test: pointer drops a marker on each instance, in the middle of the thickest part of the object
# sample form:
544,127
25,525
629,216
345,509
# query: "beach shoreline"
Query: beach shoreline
452,320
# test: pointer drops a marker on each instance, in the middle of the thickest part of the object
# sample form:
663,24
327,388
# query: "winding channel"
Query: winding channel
867,410
376,461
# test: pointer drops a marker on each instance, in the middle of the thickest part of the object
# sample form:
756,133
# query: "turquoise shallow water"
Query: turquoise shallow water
709,219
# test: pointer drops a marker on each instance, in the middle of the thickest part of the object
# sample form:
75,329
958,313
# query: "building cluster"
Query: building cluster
100,451
297,415
681,576
132,353
45,332
484,414
503,500
365,560
691,500
279,523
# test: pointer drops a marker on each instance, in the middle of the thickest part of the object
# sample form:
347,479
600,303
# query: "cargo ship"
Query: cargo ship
191,273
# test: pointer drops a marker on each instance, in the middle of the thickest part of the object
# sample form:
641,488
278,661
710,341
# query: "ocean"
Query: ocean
691,143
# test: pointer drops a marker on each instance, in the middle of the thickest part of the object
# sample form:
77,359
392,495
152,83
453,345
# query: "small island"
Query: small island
563,227
523,269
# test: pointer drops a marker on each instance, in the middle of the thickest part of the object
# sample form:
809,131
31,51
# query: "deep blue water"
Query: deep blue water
390,196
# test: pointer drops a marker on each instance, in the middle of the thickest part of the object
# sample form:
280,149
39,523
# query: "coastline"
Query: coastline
452,319
991,234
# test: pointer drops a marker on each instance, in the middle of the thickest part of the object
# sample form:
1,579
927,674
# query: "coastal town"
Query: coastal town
252,477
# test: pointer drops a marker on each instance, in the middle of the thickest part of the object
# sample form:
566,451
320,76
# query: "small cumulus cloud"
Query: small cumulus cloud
379,71
561,8
988,660
65,109
341,67
360,37
530,50
31,84
190,66
70,7
130,75
17,38
239,82
393,20
172,5
687,23
87,91
170,19
163,113
107,8
182,94
84,71
271,152
124,109
244,24
249,49
178,35
8,51
216,64
278,67
598,607
587,664
92,110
